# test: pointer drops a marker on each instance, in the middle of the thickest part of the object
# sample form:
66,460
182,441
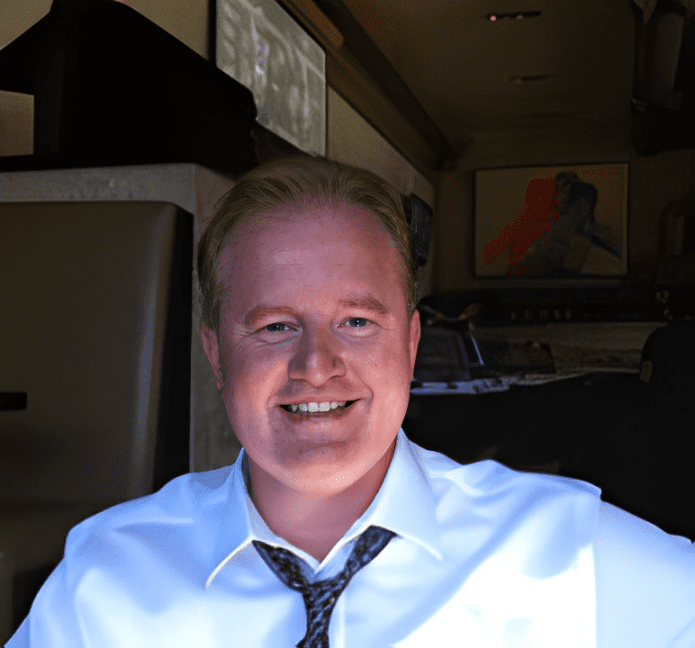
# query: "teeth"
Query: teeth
318,407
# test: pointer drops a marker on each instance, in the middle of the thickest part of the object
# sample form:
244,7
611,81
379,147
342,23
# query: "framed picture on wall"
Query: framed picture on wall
551,222
264,48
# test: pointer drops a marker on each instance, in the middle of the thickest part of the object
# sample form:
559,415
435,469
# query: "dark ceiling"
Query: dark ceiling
566,64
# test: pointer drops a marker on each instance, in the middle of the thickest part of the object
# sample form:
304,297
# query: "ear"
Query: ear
414,339
208,338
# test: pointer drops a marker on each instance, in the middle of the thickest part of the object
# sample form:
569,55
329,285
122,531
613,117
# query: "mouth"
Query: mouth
317,410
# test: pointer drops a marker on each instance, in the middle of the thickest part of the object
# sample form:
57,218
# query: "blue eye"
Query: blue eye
362,322
271,327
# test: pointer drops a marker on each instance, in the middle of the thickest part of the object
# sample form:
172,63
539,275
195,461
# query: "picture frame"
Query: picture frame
559,222
263,47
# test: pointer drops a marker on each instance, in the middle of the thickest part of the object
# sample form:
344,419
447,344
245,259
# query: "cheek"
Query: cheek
252,376
390,373
398,358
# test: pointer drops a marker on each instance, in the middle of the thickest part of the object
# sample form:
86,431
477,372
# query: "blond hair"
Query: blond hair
302,182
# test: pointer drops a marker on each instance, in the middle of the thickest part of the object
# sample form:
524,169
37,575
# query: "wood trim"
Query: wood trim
347,77
316,22
377,71
365,78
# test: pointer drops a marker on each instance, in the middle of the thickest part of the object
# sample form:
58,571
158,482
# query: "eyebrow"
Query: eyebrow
365,303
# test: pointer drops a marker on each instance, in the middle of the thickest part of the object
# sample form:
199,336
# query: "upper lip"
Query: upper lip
321,399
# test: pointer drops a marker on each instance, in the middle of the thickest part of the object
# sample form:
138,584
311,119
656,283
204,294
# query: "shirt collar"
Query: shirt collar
405,504
235,530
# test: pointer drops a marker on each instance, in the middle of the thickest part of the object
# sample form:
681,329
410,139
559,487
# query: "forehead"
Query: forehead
322,246
334,226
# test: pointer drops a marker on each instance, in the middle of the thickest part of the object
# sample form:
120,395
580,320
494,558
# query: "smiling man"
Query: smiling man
332,528
313,350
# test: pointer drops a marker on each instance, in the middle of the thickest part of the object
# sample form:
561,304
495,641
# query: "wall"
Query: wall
17,110
185,19
654,181
351,140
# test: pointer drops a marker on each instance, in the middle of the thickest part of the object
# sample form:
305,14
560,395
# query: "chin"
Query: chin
331,472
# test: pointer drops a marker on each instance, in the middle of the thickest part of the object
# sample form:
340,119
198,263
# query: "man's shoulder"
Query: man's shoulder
645,582
185,500
492,495
489,476
626,543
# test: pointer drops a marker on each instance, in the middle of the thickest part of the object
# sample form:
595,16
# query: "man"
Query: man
332,528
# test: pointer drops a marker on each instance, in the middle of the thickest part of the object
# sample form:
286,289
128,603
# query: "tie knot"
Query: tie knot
367,547
289,568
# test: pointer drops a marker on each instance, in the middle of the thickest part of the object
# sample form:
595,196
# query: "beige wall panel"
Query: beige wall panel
185,19
16,16
453,232
351,140
16,124
655,181
17,111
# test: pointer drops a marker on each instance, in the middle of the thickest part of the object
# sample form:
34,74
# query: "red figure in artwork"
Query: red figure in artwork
554,232
537,216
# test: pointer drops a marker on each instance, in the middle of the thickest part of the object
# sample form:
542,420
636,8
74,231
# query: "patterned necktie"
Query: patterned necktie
320,597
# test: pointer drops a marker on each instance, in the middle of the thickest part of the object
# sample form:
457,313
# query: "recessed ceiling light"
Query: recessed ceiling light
514,15
520,80
550,114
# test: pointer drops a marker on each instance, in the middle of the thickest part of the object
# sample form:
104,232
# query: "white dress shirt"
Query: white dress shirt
484,557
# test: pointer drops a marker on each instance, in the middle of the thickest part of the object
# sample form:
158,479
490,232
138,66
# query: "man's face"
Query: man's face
315,311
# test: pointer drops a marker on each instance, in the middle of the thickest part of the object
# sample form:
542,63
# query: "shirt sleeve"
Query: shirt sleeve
645,583
51,622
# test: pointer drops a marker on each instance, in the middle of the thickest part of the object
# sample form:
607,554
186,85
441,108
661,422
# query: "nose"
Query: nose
318,358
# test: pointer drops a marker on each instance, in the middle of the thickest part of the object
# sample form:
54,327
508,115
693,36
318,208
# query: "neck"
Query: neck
314,522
